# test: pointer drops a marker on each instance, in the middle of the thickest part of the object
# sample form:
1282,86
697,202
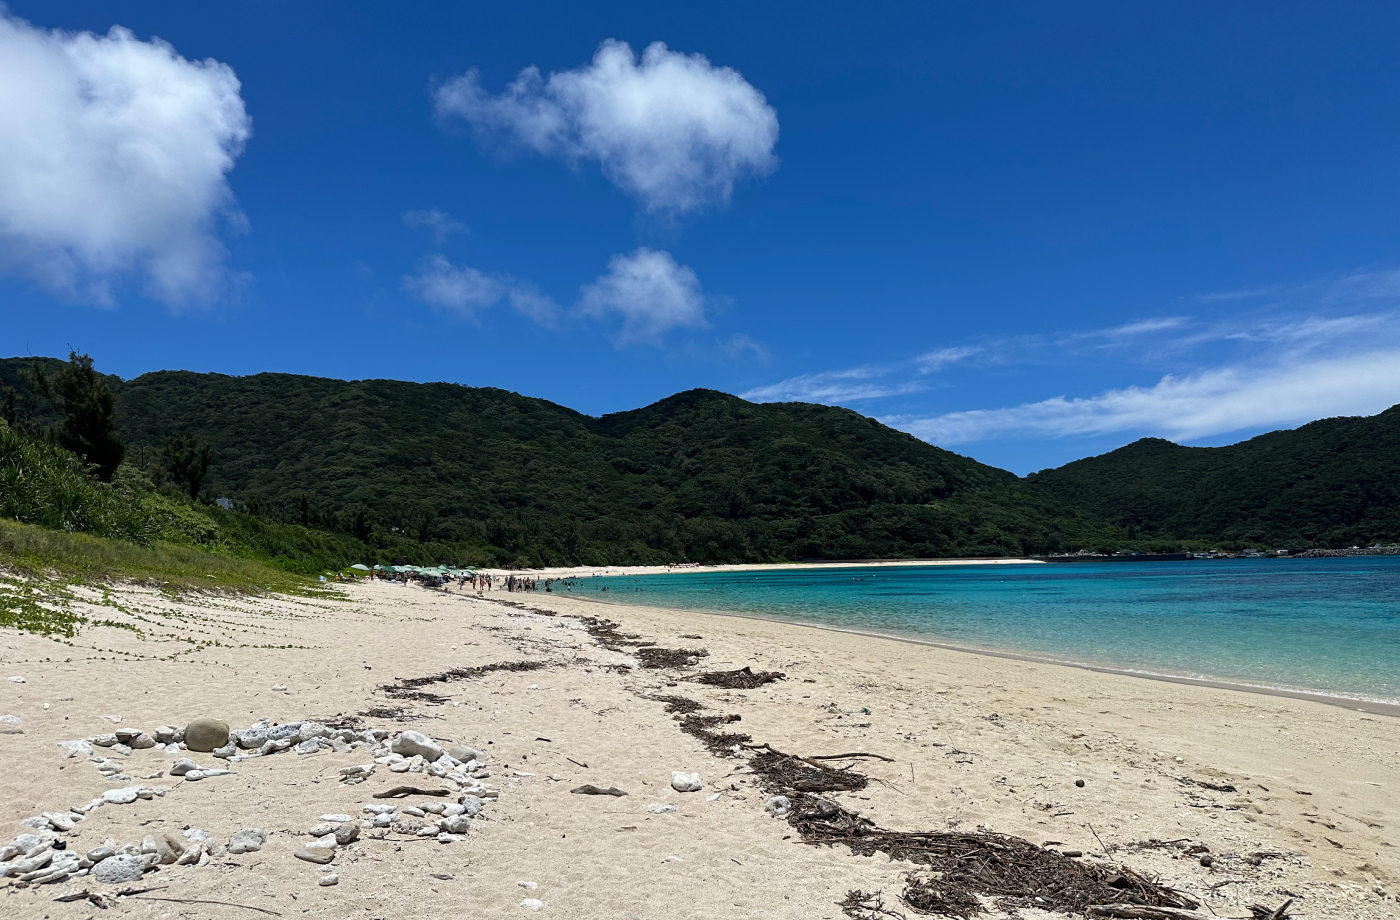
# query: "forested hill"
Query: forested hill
700,476
1334,482
485,475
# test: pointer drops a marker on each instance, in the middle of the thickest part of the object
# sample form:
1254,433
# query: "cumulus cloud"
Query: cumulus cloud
1184,408
433,221
466,291
650,292
672,130
114,157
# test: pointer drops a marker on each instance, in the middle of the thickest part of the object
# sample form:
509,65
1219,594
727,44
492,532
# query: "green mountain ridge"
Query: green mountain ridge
489,475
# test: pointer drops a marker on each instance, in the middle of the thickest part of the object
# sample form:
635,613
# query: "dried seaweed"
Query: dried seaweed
780,772
679,704
745,678
863,905
705,730
407,688
654,657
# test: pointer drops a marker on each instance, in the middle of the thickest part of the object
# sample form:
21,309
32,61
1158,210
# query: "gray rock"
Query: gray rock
123,796
312,729
682,781
182,766
464,753
337,818
97,854
204,735
103,740
384,820
471,805
322,829
160,848
122,749
62,820
457,824
75,748
347,833
142,742
248,840
224,753
416,744
250,738
124,867
165,734
329,879
272,746
291,730
315,854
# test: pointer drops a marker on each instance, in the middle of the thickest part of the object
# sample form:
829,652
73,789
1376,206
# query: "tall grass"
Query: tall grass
40,552
46,485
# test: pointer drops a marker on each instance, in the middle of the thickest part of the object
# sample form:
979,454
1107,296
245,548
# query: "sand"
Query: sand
977,741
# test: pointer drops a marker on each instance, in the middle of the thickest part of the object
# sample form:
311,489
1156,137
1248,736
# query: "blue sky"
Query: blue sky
1027,232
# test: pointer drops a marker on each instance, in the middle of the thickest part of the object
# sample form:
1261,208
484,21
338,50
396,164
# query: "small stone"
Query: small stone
204,735
278,688
411,744
383,820
315,854
457,824
124,867
1079,783
337,818
97,854
659,809
528,886
463,753
104,740
182,766
76,748
250,738
322,829
165,734
532,904
328,880
778,806
160,848
347,833
685,782
123,796
249,840
227,752
11,725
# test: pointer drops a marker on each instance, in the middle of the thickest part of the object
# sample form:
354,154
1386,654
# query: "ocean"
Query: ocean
1324,626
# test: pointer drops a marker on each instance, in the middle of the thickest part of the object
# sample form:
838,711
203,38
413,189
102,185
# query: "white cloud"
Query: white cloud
1184,408
467,291
849,385
932,361
741,344
114,154
674,130
650,291
434,221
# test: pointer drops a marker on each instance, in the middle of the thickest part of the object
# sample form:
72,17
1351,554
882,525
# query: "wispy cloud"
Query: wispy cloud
931,362
435,222
466,291
673,130
1322,349
1211,402
741,345
850,385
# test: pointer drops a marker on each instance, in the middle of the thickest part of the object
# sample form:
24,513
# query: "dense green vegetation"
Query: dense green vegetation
1331,483
325,472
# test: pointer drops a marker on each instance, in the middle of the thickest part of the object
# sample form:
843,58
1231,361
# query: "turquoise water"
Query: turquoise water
1328,626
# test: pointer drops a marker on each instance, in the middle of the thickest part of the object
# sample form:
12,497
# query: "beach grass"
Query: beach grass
55,555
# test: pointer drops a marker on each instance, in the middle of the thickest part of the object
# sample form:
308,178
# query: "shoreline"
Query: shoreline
1354,704
615,571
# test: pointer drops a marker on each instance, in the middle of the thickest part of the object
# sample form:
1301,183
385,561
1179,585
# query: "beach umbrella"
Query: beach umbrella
361,566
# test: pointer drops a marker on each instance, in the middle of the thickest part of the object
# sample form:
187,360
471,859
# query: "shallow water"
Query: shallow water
1328,626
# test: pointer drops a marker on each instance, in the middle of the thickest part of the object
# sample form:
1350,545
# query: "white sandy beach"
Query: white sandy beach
976,742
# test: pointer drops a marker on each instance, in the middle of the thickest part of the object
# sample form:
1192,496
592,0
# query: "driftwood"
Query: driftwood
261,910
398,792
590,789
1278,913
746,678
